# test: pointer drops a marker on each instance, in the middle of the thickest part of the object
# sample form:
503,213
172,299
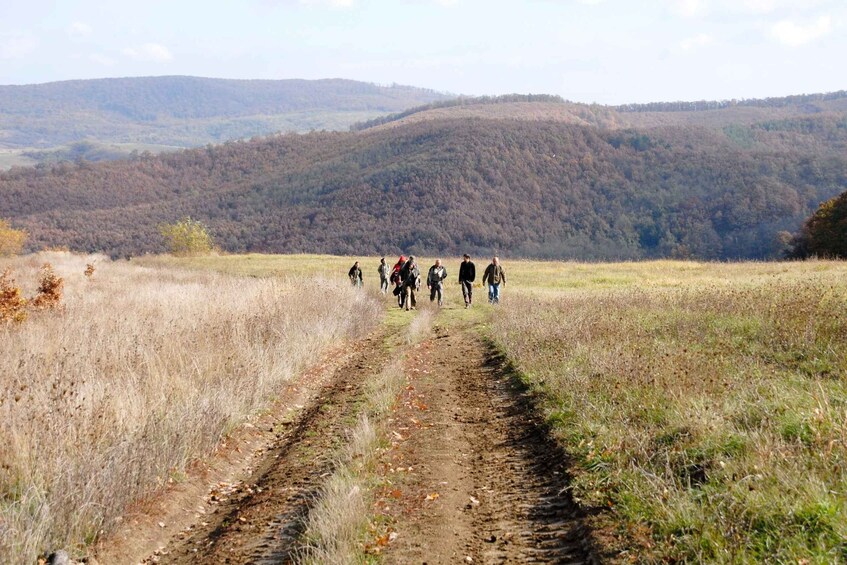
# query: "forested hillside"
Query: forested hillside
184,111
531,188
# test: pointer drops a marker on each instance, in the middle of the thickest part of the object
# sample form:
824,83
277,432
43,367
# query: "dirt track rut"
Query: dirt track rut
488,483
472,476
262,519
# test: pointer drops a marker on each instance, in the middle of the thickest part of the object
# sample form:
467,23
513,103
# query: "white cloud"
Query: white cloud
690,8
750,8
79,30
329,3
149,52
16,45
793,34
699,40
590,2
100,59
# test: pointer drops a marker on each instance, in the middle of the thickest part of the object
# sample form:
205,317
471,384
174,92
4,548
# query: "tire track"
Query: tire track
501,480
262,519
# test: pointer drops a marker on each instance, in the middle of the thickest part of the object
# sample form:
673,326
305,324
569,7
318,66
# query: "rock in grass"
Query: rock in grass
60,557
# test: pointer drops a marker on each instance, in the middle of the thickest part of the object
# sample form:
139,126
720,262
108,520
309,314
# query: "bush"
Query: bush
187,237
50,287
12,302
11,240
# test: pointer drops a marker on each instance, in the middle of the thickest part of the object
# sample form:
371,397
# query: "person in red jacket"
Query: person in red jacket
395,279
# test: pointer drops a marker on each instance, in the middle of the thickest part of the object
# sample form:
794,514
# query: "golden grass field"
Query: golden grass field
704,404
142,370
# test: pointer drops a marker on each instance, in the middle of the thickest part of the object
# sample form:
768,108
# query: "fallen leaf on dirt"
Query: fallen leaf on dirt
396,494
474,501
161,524
432,496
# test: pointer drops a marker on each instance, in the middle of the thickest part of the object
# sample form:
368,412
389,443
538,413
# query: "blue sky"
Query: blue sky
606,51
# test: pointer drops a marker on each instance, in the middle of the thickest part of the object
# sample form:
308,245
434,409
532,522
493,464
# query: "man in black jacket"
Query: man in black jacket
410,275
467,275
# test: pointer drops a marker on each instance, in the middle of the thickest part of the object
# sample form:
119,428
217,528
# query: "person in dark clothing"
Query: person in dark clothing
397,281
355,275
495,276
467,275
383,271
410,275
435,281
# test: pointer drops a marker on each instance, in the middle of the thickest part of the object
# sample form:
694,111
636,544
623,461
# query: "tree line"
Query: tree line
536,189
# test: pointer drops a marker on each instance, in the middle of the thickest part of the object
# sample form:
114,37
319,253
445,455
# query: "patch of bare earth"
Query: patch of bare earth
472,475
248,505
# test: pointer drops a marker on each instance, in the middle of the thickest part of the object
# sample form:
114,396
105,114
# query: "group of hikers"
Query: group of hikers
406,278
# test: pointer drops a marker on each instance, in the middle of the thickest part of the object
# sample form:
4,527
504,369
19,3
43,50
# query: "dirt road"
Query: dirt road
487,484
471,475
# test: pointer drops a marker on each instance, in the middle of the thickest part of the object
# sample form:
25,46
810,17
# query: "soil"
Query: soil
471,475
258,482
474,475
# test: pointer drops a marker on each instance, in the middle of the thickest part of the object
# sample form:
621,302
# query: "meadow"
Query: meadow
140,371
704,405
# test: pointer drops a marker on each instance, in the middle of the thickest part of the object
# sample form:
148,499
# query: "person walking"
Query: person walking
355,275
383,271
435,282
397,281
410,275
495,276
467,275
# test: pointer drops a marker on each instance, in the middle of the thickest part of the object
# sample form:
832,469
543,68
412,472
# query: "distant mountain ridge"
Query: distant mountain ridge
147,98
182,111
530,188
716,113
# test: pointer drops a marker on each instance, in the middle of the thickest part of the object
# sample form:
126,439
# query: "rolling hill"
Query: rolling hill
112,117
522,185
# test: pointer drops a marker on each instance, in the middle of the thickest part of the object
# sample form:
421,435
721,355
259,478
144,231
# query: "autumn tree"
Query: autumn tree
11,240
825,232
187,237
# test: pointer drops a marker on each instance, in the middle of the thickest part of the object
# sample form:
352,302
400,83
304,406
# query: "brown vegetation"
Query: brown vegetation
551,189
50,288
143,372
12,302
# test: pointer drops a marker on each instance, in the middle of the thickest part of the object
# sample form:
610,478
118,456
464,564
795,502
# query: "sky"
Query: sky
604,51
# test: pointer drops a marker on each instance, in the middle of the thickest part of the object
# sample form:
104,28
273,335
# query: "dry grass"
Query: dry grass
339,521
143,370
705,405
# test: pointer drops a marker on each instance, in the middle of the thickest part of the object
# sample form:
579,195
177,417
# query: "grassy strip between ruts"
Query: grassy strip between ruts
338,523
706,409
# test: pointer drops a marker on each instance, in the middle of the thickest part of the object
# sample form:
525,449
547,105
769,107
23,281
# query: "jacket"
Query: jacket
436,275
409,274
467,271
494,274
